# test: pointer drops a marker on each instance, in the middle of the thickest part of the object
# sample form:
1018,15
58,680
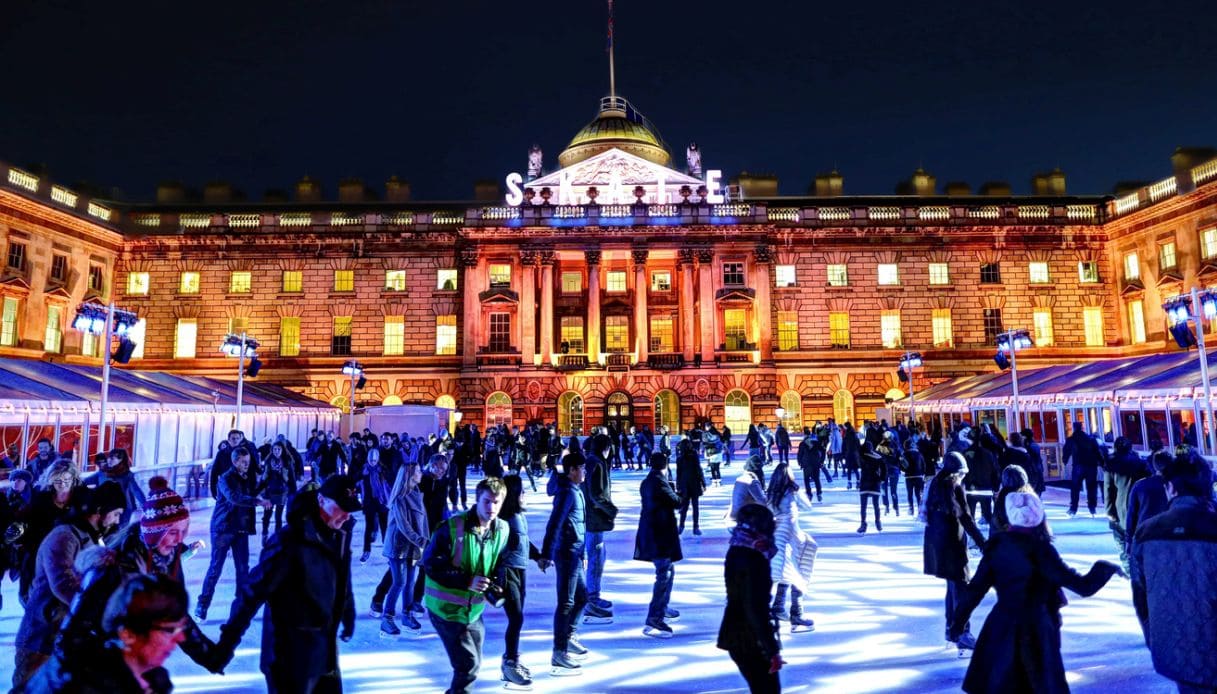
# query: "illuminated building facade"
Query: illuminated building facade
615,288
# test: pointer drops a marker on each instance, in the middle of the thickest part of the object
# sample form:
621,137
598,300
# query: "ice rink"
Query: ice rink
879,622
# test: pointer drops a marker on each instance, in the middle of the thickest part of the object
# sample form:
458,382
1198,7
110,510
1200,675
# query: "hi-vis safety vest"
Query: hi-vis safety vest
474,554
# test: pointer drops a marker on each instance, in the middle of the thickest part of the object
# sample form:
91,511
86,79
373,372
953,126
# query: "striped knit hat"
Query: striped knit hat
162,508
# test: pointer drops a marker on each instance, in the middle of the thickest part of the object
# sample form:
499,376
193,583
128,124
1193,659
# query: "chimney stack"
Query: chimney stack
352,190
397,191
756,185
957,189
1182,162
170,192
1050,183
218,192
921,183
829,184
487,190
996,189
307,190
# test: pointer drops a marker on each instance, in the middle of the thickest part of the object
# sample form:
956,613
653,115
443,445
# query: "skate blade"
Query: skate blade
387,635
564,672
802,629
597,620
657,633
577,656
512,686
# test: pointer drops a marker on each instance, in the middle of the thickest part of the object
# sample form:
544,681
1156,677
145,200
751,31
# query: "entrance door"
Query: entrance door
619,411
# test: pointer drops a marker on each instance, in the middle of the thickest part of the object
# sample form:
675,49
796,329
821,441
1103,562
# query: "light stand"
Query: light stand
1203,303
1010,342
106,322
242,346
910,361
355,370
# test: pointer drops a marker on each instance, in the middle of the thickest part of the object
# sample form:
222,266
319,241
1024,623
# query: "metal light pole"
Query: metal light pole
355,370
1200,314
241,346
1011,341
105,322
911,361
108,334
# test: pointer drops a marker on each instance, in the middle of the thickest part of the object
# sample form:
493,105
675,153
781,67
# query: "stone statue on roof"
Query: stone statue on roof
693,159
534,162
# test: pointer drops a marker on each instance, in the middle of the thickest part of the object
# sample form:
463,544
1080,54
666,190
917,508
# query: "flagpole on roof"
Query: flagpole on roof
612,68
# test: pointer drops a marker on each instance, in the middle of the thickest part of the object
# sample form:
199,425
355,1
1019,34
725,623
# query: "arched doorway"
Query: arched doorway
619,411
792,403
448,403
737,411
843,406
498,409
570,413
342,402
667,411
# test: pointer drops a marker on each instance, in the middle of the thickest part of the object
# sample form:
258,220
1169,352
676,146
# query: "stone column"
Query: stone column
528,306
762,260
708,311
641,318
687,318
471,317
593,306
548,258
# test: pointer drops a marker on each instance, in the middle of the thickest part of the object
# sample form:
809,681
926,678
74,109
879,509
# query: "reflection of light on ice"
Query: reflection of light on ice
872,680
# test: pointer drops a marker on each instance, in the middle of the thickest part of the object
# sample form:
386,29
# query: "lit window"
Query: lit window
572,282
1208,243
96,282
289,336
8,322
1041,320
994,325
340,338
572,334
239,282
500,274
189,283
137,284
59,268
445,334
785,276
733,274
788,330
792,403
53,341
889,329
838,329
616,333
498,409
184,338
16,255
1038,271
615,283
735,328
344,280
990,273
500,332
1088,271
939,274
940,322
1132,267
1136,321
889,274
661,281
838,276
661,334
293,281
395,280
395,336
1167,260
1092,322
90,345
445,280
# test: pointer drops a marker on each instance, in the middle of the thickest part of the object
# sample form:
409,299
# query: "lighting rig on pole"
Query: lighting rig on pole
910,361
781,415
1202,302
355,370
106,322
1009,343
242,346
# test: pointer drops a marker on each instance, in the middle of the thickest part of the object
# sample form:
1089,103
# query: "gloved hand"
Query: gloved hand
775,663
346,634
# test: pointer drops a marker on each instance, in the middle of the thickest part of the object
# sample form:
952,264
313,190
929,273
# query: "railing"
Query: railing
244,221
936,213
883,213
572,362
1205,172
784,214
665,360
618,361
295,219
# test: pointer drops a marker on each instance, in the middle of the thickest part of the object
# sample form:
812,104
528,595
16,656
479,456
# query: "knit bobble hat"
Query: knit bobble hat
162,508
1024,510
955,463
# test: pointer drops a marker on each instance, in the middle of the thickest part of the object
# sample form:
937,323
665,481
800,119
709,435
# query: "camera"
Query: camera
494,595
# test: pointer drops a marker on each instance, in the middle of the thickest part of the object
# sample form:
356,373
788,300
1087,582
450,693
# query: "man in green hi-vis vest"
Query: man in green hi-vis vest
461,563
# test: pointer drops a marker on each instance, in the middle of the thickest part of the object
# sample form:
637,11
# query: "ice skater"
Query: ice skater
796,550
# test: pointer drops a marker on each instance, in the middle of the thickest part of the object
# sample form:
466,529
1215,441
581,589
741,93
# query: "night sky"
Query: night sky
126,94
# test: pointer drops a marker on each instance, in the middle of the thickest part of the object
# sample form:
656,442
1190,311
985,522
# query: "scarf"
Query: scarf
744,536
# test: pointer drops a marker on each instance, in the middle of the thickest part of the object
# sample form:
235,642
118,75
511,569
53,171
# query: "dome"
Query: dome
615,128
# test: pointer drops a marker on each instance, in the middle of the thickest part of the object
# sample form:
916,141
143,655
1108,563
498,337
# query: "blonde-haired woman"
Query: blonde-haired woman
50,504
405,539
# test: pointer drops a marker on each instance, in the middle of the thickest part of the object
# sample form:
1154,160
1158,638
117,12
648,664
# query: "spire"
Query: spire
612,67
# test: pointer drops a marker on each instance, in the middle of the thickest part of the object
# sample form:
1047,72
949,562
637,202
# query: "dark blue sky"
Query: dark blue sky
126,94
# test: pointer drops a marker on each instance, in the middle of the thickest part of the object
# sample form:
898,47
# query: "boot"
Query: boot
388,628
862,528
514,676
797,620
561,665
778,610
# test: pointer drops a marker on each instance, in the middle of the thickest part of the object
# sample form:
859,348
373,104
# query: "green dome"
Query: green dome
613,129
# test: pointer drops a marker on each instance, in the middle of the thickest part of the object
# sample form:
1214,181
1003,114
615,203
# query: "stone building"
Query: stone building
615,288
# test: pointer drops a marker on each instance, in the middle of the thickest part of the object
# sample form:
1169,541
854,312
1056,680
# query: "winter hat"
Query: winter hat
1013,477
955,463
21,475
1024,510
105,498
163,507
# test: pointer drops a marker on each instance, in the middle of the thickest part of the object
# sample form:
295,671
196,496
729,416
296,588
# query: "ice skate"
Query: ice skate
671,615
576,650
388,629
879,526
594,614
657,629
965,644
514,678
862,529
800,624
561,665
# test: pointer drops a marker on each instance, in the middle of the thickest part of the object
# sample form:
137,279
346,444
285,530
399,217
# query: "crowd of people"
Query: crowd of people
99,559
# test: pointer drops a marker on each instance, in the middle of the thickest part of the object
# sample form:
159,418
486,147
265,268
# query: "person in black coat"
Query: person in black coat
1035,464
747,631
811,459
782,439
1019,649
947,527
914,475
658,540
870,479
223,460
232,522
690,483
304,579
1086,456
983,476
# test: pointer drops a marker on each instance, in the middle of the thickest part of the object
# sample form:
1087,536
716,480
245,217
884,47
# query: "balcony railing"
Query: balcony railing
665,360
572,362
619,361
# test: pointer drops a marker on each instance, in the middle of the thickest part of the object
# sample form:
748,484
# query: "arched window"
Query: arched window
448,403
391,400
667,411
570,413
792,402
498,409
737,410
843,406
893,395
342,402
